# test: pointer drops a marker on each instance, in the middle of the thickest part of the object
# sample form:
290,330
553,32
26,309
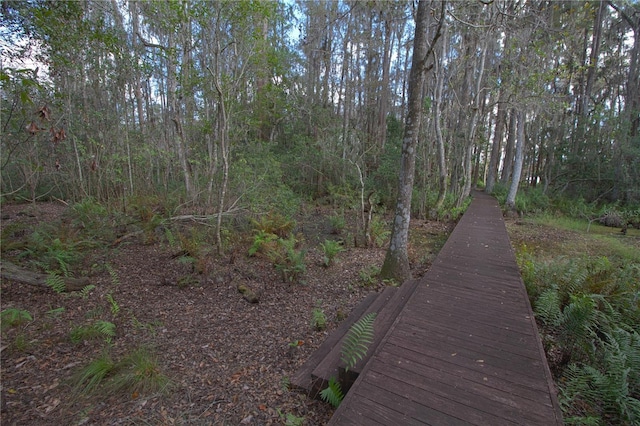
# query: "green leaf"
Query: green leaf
357,341
333,393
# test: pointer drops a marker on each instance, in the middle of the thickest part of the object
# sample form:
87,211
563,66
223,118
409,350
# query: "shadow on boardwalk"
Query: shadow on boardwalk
464,348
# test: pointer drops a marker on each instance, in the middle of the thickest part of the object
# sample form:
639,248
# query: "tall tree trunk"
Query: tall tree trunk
519,160
437,109
496,147
507,165
396,264
473,123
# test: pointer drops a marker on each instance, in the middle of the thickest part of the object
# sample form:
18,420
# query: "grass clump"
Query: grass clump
136,373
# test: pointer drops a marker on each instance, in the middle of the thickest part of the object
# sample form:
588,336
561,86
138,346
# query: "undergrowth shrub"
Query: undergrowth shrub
337,222
318,319
331,249
274,223
92,219
14,317
532,200
379,231
589,313
289,260
450,211
52,252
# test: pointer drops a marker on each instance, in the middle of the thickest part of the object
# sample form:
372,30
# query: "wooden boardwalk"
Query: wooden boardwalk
465,348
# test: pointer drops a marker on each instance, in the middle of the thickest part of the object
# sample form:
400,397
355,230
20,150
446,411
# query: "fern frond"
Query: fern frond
106,328
115,308
84,293
56,282
357,341
547,307
115,279
333,393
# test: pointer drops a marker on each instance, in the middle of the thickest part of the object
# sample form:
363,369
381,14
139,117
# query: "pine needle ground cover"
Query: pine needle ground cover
160,340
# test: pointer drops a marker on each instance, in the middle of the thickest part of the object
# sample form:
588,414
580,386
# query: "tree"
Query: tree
396,264
518,162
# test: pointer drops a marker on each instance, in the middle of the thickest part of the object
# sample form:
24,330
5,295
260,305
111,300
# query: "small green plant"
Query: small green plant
337,222
149,326
91,376
13,317
139,373
285,383
55,312
369,275
51,253
332,393
379,231
318,320
113,305
188,280
357,340
136,373
331,249
98,330
115,279
20,342
289,260
84,293
171,238
56,282
290,419
263,242
274,223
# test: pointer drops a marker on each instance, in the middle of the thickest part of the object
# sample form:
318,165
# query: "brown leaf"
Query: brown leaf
44,113
32,128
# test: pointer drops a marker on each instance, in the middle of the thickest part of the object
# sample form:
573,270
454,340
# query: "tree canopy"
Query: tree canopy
257,105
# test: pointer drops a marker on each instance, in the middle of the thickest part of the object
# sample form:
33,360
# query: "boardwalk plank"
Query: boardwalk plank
465,349
483,396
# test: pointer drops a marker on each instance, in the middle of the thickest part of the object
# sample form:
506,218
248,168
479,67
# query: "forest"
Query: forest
254,121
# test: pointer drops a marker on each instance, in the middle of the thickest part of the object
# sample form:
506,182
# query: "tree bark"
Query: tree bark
437,109
519,160
13,272
396,264
496,147
508,152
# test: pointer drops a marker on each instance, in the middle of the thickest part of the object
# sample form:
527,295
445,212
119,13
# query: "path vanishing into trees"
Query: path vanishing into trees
464,348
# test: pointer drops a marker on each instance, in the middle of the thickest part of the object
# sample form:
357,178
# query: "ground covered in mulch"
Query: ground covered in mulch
227,360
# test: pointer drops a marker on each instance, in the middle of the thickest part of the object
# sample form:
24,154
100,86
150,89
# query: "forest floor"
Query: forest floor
227,360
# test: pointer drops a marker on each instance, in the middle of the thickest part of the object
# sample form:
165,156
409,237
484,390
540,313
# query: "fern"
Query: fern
357,341
56,282
547,307
84,293
333,393
115,279
99,329
105,328
11,317
115,308
319,320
